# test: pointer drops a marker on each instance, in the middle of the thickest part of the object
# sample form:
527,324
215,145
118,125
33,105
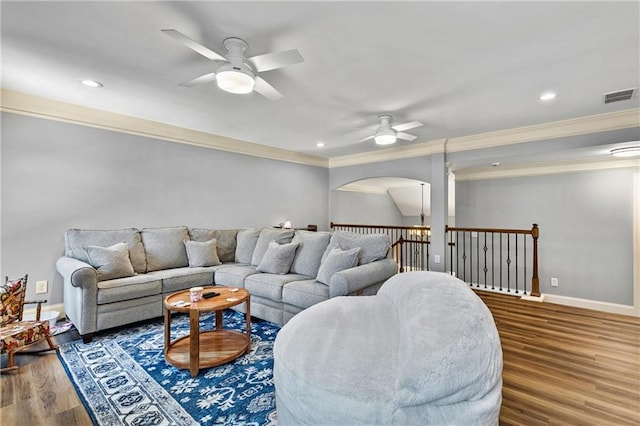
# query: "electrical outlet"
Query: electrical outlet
436,258
554,282
41,286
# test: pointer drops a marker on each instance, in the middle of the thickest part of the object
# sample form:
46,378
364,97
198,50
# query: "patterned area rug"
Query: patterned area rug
123,379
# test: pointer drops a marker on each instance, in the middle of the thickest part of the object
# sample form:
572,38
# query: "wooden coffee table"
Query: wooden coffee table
208,348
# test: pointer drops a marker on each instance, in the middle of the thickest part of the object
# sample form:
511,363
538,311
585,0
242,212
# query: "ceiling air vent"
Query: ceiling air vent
619,95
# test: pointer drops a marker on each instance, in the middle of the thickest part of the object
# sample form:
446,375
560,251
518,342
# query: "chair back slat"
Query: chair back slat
12,295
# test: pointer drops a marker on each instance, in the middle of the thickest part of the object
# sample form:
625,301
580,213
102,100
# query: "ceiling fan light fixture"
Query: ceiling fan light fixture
627,151
385,136
235,80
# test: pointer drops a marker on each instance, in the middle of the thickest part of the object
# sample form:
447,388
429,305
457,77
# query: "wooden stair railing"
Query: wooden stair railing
497,258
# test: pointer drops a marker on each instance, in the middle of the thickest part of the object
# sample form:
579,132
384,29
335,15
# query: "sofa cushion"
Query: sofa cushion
110,262
226,241
337,260
202,253
278,258
270,286
76,239
182,278
165,247
121,289
374,246
233,275
303,294
311,246
246,241
267,235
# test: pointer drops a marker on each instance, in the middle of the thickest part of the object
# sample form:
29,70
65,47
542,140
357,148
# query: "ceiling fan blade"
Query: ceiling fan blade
367,138
266,90
207,78
193,45
405,136
407,126
271,61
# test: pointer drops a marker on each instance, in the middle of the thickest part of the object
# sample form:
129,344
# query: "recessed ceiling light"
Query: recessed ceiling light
91,83
548,96
627,151
320,144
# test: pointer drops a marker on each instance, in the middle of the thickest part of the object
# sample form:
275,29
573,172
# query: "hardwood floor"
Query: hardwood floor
562,366
565,365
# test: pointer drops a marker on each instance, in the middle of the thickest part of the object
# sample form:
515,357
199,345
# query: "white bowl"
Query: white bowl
51,316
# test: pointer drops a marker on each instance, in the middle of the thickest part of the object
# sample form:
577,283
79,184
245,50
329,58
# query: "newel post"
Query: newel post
535,281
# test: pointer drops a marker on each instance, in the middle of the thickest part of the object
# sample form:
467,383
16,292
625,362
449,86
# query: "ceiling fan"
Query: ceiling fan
386,134
236,73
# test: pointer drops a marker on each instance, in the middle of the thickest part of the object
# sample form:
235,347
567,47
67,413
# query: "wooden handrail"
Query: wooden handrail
448,228
347,225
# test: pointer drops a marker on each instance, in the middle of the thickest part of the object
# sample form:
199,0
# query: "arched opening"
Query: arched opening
394,201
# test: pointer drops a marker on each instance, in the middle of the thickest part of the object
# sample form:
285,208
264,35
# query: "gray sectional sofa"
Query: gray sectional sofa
116,277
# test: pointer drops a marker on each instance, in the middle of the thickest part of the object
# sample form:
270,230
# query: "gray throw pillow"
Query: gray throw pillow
280,236
226,241
337,260
373,246
311,246
165,248
278,258
111,262
246,244
202,253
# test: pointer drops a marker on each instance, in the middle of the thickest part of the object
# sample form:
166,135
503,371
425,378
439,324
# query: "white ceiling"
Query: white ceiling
462,68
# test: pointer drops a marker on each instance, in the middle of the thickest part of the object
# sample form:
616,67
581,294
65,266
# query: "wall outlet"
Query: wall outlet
436,258
554,282
41,286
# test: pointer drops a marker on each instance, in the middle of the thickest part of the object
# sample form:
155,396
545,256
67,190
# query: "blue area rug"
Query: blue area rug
123,379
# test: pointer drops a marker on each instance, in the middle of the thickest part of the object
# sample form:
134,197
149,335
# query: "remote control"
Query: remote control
210,295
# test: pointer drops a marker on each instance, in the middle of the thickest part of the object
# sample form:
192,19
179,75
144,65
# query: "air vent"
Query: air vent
620,95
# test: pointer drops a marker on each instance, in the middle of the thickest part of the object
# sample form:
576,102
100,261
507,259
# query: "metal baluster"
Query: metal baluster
501,262
493,263
508,264
485,260
516,238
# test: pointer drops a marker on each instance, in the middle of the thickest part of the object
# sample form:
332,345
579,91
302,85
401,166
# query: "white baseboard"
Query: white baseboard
613,308
57,307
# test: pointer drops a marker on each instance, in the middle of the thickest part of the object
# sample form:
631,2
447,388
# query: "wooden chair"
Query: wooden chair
15,334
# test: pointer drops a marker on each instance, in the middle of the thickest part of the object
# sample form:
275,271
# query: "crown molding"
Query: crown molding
25,104
21,103
398,153
558,129
540,169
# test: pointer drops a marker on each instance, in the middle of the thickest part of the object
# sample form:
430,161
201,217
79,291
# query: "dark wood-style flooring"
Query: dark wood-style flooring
562,366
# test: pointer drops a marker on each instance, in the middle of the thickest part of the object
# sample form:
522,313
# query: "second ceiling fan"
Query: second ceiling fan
386,134
236,73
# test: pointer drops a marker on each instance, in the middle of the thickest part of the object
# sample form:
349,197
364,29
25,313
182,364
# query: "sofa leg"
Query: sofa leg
86,338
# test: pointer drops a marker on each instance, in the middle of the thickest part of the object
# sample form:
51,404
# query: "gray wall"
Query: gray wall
57,176
586,226
363,208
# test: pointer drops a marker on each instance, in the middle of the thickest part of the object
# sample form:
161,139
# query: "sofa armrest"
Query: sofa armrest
357,278
80,293
77,272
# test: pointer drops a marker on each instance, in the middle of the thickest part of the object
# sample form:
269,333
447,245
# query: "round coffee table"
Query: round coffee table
208,348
